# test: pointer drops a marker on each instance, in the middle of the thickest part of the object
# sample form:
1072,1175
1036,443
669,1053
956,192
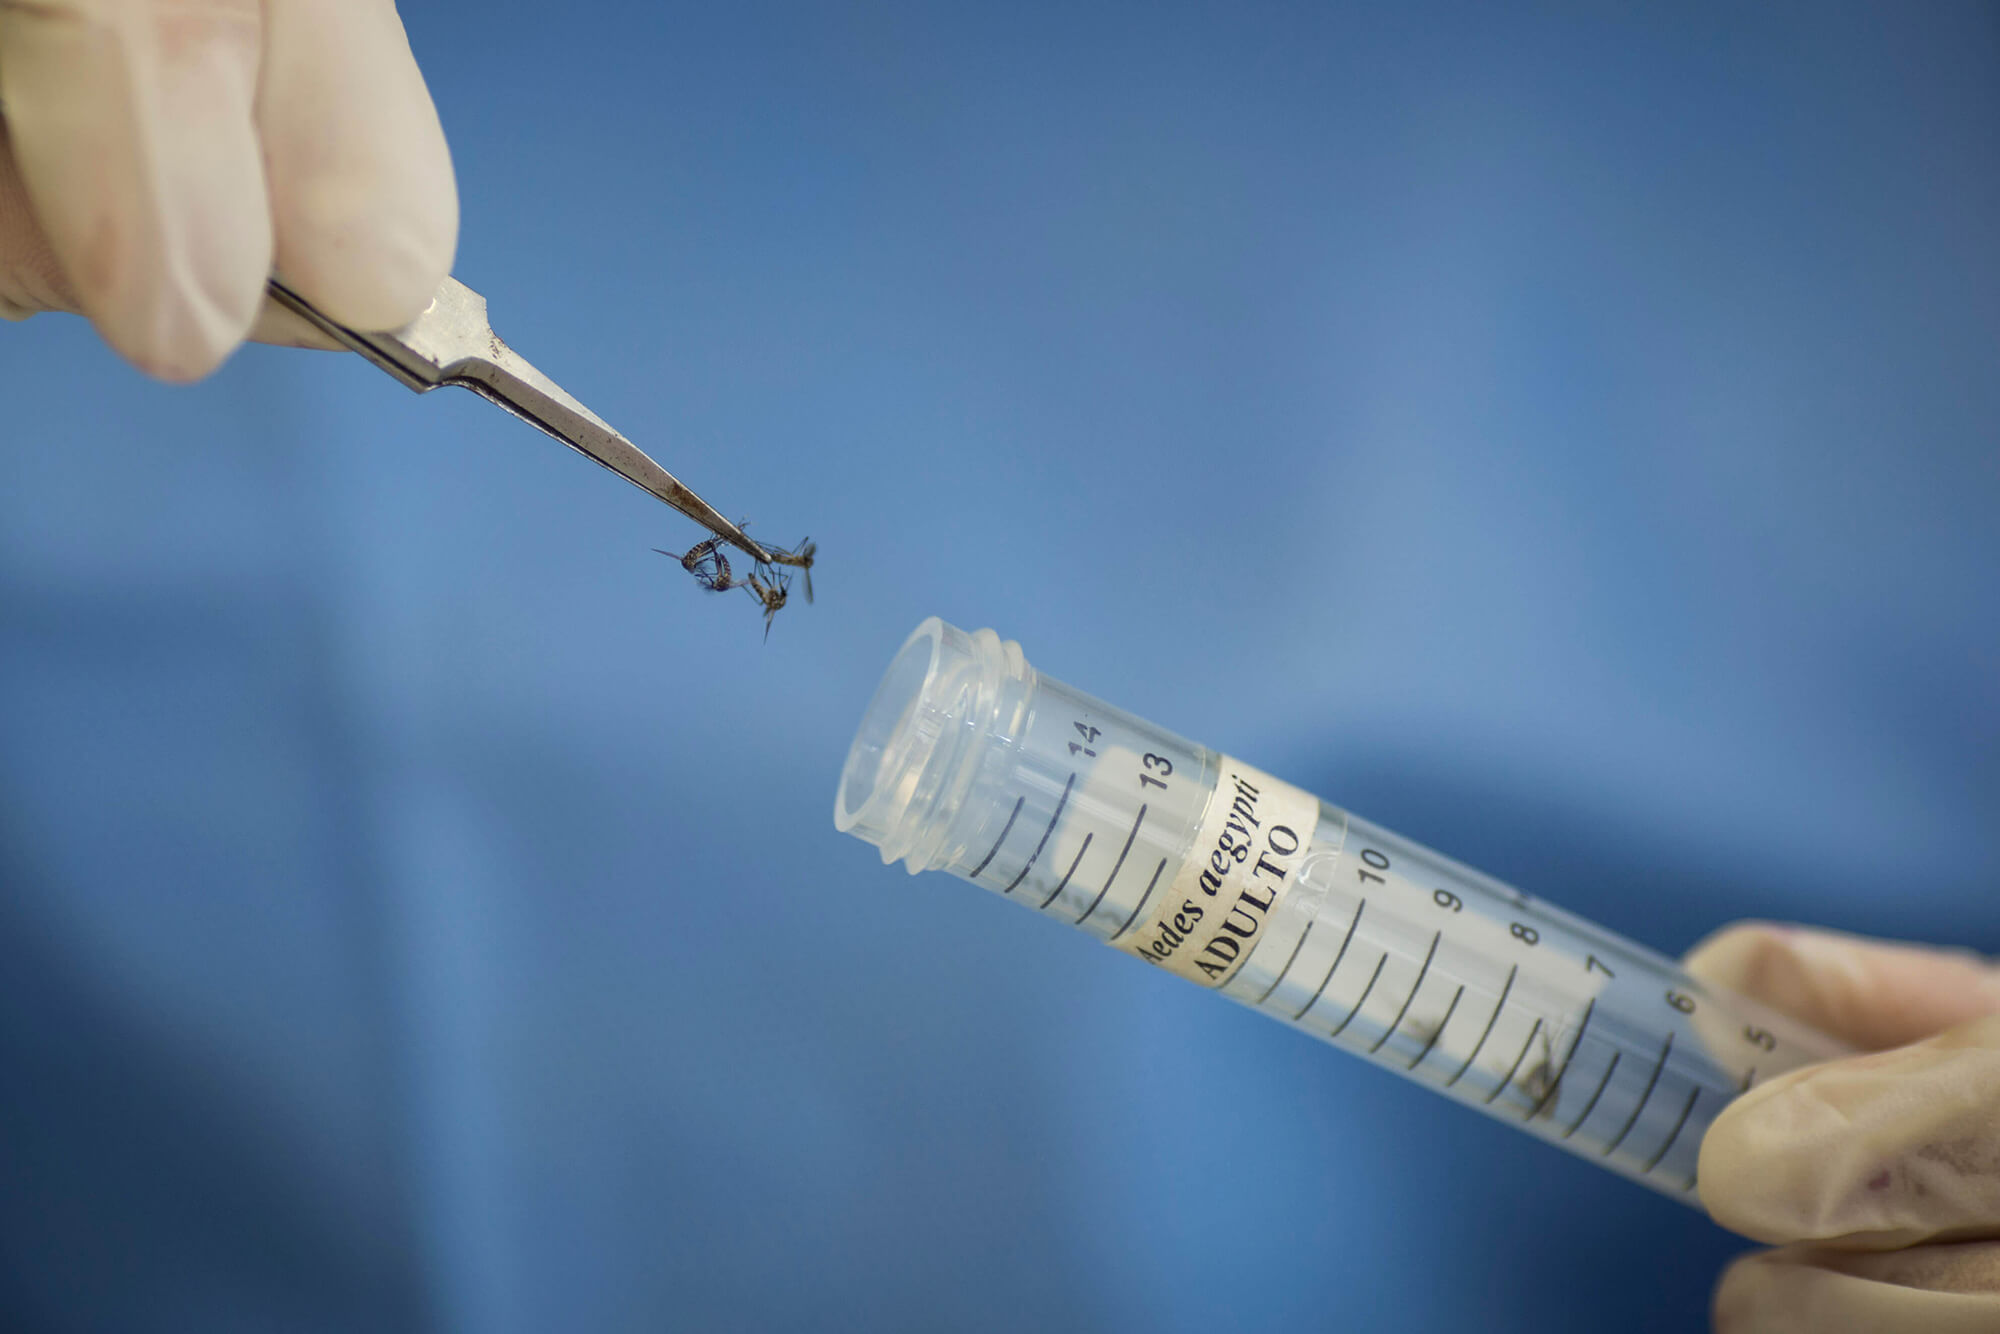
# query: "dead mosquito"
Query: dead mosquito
769,583
771,595
800,557
705,561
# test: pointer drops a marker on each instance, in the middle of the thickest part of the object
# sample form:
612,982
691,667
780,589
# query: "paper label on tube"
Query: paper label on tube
1252,837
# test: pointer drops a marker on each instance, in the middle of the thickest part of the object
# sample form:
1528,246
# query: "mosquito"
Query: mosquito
769,583
800,557
772,594
705,561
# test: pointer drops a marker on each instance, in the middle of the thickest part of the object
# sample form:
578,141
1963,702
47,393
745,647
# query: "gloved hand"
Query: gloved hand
158,158
1878,1175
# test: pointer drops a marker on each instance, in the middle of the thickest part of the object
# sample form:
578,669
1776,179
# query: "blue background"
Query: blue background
1566,437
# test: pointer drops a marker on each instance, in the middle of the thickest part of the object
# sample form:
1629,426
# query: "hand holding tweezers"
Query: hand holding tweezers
452,343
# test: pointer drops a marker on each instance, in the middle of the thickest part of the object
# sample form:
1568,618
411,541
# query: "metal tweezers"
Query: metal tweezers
452,343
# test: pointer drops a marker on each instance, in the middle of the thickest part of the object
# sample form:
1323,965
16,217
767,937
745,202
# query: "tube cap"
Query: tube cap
946,694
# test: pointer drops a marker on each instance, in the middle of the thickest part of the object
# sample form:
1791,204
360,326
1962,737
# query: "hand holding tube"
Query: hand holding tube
1878,1176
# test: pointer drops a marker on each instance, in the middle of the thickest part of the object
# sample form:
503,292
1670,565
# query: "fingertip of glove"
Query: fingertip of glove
1771,1292
180,336
1808,1156
1742,1299
1734,955
368,262
180,362
1872,993
1877,1150
1946,1289
1745,1178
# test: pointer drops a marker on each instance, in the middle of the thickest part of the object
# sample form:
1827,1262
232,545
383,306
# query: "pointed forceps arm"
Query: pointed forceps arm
453,343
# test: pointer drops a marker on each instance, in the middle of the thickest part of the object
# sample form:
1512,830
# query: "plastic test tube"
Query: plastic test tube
970,761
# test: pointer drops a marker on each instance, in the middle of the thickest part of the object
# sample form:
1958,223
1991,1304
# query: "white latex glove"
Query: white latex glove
160,158
1879,1175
